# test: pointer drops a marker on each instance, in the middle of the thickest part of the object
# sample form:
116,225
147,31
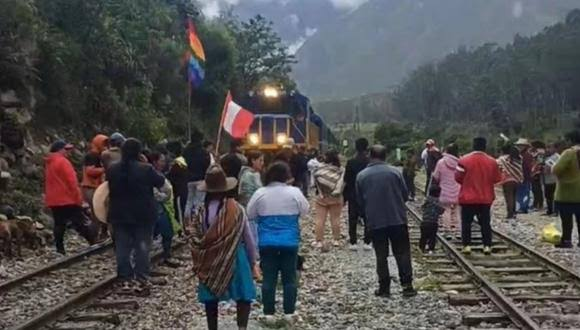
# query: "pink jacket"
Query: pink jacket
444,174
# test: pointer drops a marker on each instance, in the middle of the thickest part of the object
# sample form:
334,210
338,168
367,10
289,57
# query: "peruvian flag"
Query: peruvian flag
235,119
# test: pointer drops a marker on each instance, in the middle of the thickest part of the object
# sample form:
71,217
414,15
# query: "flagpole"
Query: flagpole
189,114
219,136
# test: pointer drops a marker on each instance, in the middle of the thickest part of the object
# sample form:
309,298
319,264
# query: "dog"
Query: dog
11,234
28,228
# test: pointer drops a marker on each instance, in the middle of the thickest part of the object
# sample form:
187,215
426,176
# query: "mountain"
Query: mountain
372,48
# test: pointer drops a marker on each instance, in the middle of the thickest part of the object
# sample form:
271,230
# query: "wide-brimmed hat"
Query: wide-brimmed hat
216,180
101,202
522,142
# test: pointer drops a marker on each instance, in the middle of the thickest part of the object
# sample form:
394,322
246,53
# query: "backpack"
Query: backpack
329,180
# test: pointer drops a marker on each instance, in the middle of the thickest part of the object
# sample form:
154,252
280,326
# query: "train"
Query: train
283,118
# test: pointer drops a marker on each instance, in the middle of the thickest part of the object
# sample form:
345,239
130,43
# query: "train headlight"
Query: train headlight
271,92
281,139
254,139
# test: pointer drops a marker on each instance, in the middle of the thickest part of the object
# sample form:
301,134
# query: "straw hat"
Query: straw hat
101,202
216,180
522,142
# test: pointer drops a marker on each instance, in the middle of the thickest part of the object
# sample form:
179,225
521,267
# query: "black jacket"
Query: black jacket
198,160
131,198
299,165
353,167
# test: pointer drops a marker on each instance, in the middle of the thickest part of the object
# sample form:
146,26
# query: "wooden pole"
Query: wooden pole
219,136
189,114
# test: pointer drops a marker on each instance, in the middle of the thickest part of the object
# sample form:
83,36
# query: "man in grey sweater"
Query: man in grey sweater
381,195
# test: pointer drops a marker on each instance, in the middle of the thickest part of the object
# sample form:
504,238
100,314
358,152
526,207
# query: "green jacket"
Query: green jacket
567,170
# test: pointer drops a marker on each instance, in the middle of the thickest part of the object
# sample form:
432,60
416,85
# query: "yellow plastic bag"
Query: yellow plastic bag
551,234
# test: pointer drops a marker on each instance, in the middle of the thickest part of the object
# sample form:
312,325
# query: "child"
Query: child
432,211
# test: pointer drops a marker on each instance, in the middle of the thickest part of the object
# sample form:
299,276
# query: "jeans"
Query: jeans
73,214
428,238
398,236
483,214
428,182
163,227
133,239
410,182
523,197
274,260
354,214
538,193
549,189
567,213
509,193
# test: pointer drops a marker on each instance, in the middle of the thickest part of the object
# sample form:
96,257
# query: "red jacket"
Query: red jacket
477,173
60,182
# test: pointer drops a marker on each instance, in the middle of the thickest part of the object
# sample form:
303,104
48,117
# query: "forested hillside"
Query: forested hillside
373,48
94,64
530,85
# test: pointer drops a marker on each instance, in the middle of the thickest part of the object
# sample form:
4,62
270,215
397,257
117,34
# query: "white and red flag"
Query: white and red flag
235,119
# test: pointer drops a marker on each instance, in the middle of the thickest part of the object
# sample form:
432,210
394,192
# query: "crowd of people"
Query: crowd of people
243,219
534,176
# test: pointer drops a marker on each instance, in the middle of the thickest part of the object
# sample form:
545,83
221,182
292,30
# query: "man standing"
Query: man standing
477,172
381,194
353,167
523,192
233,161
63,195
113,154
430,156
299,168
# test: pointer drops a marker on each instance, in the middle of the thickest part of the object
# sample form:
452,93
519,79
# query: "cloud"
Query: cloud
518,9
211,8
347,4
296,45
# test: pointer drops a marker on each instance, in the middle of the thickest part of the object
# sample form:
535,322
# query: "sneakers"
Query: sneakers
466,250
291,319
564,245
367,247
487,250
267,320
353,247
383,293
408,291
317,245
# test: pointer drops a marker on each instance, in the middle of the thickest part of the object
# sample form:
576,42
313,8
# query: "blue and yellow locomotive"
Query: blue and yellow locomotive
284,118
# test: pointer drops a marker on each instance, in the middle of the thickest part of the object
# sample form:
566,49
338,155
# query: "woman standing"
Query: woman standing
329,179
278,208
444,174
223,250
250,176
567,198
510,165
132,213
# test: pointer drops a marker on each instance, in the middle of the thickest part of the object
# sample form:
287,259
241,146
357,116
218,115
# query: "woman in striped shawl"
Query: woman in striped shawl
223,250
510,165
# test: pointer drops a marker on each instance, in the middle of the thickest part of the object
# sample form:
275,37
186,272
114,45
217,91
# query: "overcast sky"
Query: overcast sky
211,8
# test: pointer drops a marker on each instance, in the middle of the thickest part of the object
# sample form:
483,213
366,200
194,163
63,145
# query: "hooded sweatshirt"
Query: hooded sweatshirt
444,174
60,182
99,144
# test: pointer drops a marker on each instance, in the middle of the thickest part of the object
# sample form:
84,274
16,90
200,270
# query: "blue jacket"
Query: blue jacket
277,209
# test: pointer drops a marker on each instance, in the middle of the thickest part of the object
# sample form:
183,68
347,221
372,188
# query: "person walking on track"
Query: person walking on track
223,250
381,194
567,197
510,165
524,189
444,176
548,178
409,172
62,196
430,156
132,213
353,167
477,172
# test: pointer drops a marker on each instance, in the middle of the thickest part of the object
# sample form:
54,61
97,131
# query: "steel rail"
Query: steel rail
77,300
58,264
519,317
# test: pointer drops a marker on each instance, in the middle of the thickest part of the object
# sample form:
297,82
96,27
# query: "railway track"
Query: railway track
525,289
40,298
